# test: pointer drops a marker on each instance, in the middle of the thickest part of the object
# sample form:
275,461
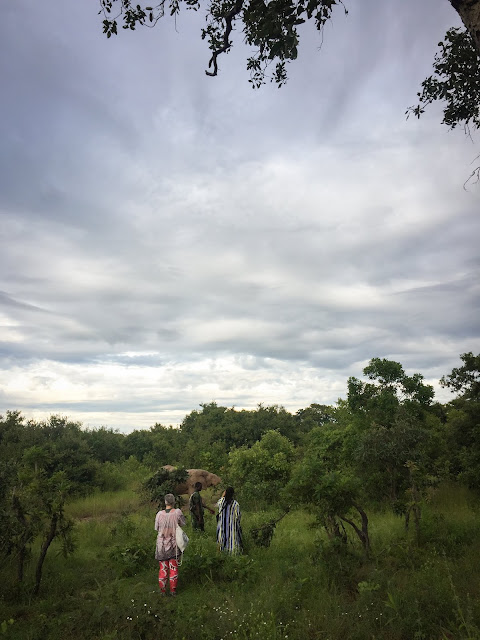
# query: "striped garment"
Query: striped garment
229,530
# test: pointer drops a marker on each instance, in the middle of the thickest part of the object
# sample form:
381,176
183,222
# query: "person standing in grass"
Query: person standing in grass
229,530
197,507
166,551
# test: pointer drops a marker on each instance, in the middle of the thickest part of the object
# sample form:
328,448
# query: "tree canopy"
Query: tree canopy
271,29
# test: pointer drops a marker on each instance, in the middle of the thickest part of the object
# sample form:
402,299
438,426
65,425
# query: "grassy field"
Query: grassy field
298,588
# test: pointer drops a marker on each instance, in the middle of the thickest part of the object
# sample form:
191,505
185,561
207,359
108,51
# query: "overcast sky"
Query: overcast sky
170,239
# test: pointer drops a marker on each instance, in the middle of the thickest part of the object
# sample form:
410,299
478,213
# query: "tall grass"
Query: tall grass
299,588
106,504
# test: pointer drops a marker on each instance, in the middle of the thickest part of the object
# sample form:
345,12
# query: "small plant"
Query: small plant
467,629
131,558
5,626
145,619
367,587
262,535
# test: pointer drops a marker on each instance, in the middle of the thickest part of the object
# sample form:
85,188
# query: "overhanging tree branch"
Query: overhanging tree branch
229,18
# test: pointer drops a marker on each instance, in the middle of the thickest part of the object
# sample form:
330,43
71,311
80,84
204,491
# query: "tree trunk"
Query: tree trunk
47,542
364,518
21,561
417,514
414,507
333,529
363,532
22,545
469,12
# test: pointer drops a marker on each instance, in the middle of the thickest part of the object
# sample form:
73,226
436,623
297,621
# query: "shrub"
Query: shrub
341,562
447,536
109,477
163,482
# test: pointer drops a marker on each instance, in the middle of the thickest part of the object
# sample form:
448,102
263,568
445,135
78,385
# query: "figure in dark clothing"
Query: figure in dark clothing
197,507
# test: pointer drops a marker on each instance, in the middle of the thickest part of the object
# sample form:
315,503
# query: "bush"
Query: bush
133,551
162,482
110,477
132,558
203,562
447,536
262,470
341,562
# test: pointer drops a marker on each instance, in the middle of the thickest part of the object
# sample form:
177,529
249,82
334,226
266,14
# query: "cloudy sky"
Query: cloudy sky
170,239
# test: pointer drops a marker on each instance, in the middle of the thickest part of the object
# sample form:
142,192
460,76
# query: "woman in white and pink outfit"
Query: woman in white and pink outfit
166,551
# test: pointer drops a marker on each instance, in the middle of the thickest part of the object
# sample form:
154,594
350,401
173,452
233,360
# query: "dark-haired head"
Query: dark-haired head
198,486
229,493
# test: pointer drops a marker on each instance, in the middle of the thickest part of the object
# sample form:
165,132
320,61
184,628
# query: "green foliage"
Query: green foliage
316,415
463,419
262,535
5,625
270,29
212,432
205,564
50,463
130,558
163,482
331,579
156,446
262,470
465,380
119,476
325,481
463,431
448,536
384,456
102,504
105,444
132,550
109,477
397,441
341,563
301,586
456,81
367,587
379,402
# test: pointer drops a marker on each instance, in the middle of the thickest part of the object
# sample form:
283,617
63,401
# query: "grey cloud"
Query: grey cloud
8,301
159,223
113,405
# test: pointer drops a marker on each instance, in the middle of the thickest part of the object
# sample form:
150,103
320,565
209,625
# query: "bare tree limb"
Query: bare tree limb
475,174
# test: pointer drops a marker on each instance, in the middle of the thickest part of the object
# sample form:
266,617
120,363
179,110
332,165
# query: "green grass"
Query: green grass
298,588
101,505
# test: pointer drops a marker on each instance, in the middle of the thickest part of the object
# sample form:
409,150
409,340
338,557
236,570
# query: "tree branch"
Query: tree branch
229,18
47,542
475,174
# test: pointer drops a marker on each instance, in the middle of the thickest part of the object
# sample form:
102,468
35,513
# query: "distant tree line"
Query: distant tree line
386,446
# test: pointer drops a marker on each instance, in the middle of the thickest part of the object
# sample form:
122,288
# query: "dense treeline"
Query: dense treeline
386,446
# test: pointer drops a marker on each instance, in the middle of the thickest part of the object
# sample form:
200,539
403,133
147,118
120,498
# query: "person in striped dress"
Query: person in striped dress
229,530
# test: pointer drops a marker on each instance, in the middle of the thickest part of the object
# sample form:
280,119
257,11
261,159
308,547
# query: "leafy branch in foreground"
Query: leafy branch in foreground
456,80
270,28
271,31
263,534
